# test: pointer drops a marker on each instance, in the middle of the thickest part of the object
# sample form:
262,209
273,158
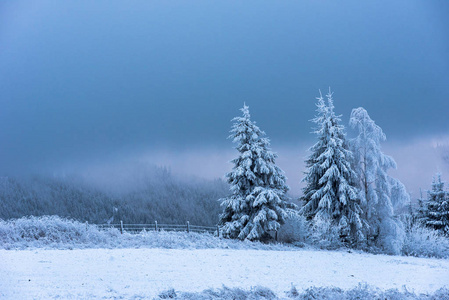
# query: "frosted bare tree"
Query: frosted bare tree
380,193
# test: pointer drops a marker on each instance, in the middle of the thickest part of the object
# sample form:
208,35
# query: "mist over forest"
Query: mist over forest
154,194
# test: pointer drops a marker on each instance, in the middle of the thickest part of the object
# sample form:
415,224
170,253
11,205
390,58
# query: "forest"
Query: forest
163,197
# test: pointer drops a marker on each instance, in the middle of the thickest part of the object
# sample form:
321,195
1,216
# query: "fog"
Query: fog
417,161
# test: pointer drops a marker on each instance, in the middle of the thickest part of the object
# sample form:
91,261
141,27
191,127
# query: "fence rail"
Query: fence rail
137,228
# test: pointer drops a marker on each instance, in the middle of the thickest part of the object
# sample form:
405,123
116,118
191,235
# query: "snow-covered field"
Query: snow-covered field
128,273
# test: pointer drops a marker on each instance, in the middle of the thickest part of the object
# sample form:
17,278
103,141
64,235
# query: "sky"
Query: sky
103,82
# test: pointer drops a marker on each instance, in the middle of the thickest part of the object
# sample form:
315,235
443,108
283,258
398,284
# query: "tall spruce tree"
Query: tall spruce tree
438,206
380,194
257,204
330,192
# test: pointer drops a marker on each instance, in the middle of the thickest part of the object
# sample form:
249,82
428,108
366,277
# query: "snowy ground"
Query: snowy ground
128,273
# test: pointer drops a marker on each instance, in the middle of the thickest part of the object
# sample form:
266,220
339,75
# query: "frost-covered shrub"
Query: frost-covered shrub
324,234
391,236
425,242
53,232
295,229
319,232
362,291
168,294
223,293
333,293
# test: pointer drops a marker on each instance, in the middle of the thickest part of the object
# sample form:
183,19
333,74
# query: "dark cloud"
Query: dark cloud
96,79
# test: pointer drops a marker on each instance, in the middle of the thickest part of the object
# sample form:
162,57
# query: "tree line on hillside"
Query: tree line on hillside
164,198
346,184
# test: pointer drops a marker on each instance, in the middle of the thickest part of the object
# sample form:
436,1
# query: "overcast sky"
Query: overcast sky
81,80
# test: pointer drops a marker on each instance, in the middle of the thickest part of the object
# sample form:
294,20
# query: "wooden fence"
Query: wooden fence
137,228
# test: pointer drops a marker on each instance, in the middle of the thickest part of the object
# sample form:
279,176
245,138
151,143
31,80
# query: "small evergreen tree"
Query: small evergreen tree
330,192
438,206
422,211
258,201
380,194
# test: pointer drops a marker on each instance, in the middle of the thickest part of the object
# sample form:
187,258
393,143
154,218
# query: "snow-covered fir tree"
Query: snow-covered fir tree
257,204
380,194
438,206
330,192
421,211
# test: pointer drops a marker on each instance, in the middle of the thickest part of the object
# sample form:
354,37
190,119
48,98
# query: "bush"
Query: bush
58,233
324,235
169,294
425,242
295,229
223,293
362,291
318,232
53,232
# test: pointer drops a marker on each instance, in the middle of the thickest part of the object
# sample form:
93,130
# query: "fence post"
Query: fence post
87,223
155,225
188,226
121,226
276,235
218,230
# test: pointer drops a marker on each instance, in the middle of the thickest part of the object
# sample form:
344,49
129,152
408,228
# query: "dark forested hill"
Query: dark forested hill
164,198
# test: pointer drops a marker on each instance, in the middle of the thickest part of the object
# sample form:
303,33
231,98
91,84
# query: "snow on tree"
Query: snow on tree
258,201
330,192
438,206
380,194
422,211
